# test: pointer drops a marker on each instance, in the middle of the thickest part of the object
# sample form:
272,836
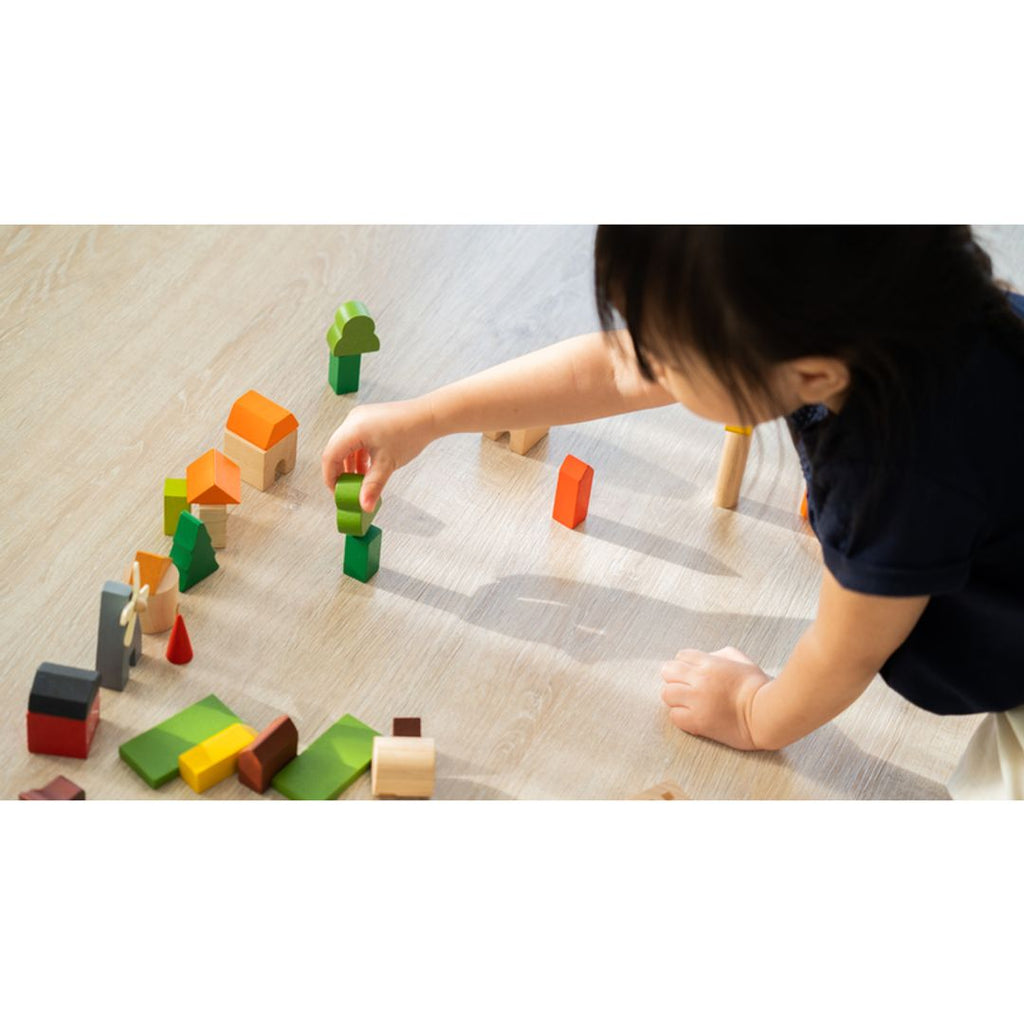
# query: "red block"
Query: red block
59,789
572,496
63,737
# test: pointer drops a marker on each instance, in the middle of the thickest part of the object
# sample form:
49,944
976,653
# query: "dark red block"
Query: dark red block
406,727
268,754
59,789
63,737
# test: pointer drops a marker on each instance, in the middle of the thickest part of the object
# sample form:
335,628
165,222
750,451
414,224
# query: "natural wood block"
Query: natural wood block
732,466
519,441
215,519
572,494
662,791
260,468
268,754
161,575
402,766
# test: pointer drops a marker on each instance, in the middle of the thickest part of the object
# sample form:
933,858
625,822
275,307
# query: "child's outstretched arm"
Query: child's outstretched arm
581,378
726,697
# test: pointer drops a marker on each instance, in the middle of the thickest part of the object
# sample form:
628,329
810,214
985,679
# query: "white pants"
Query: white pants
992,767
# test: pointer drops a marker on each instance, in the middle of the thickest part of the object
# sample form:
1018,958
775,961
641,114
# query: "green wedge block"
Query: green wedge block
352,332
154,753
343,374
331,763
362,555
192,551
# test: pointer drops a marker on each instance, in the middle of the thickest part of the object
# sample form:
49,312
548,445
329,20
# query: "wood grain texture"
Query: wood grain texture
531,651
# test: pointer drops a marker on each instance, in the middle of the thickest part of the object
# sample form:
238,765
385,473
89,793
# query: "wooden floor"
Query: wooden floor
530,651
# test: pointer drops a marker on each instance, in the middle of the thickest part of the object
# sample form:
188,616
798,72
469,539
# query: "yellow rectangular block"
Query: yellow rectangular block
213,760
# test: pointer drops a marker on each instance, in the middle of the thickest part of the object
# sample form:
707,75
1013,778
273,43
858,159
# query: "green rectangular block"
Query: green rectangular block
362,555
343,374
154,753
175,502
331,763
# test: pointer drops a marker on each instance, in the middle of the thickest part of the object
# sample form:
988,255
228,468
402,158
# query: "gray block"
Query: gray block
112,657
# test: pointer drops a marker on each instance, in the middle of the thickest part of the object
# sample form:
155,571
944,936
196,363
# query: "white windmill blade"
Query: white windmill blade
136,603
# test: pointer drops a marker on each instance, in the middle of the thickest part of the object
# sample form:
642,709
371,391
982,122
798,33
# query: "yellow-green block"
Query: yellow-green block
175,502
213,760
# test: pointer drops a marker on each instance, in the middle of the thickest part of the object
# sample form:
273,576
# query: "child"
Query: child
899,364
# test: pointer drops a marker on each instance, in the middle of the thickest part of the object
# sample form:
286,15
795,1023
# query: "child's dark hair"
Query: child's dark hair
897,304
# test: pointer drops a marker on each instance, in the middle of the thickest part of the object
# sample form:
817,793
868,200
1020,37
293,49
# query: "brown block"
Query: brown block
59,789
259,762
406,727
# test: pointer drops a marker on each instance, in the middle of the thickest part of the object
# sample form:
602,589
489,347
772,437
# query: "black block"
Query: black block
63,691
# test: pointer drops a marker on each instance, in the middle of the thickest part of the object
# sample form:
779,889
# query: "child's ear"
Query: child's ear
819,380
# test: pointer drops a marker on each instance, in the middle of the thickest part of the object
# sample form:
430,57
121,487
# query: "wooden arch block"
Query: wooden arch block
402,766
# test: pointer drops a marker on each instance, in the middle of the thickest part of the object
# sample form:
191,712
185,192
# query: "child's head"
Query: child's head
743,324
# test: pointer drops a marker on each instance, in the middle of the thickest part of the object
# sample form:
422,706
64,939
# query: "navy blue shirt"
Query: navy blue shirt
950,525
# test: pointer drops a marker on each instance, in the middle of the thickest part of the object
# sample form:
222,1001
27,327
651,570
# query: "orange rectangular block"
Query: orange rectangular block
572,496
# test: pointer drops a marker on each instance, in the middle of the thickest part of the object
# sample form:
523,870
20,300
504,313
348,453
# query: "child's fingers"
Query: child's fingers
692,657
733,655
357,461
676,672
373,483
676,695
683,718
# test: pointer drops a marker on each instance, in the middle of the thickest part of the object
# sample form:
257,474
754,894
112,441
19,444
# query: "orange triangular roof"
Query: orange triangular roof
151,569
213,479
260,421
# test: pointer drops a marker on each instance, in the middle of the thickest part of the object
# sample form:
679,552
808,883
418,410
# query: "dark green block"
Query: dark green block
331,763
343,373
192,551
154,753
362,554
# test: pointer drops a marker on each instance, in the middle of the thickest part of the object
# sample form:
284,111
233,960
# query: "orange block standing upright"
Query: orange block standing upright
572,496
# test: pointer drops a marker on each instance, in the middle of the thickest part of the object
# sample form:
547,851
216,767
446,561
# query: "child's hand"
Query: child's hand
711,694
376,440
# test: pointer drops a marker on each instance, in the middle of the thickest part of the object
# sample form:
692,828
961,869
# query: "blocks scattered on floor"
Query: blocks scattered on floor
330,764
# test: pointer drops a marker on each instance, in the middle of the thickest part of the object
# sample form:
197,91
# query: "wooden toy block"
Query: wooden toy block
215,519
362,555
331,763
402,766
261,422
60,788
572,495
268,754
62,737
154,754
175,502
732,466
63,691
213,760
192,551
113,657
179,646
803,508
343,374
353,331
213,479
662,791
160,574
351,517
520,441
406,727
260,468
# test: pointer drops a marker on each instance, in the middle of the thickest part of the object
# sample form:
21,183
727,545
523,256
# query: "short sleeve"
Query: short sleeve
918,540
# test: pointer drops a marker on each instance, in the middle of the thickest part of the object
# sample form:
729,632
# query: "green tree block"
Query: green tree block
175,502
352,332
192,551
154,753
362,555
343,374
331,763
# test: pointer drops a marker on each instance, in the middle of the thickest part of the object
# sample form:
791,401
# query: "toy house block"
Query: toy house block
331,763
262,437
402,766
63,710
175,502
213,760
113,658
662,791
160,574
351,517
572,495
154,754
62,737
732,466
60,788
343,374
192,551
268,754
406,727
520,441
362,555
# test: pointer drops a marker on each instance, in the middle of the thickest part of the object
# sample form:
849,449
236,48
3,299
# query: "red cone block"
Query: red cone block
179,647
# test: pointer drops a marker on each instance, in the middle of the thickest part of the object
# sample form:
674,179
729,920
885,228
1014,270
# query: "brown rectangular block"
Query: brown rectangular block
259,762
60,788
406,727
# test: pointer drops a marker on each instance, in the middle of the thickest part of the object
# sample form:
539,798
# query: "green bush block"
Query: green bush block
331,763
154,753
352,332
343,374
362,555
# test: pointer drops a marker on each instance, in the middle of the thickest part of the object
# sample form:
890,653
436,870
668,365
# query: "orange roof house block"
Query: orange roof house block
262,437
213,479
